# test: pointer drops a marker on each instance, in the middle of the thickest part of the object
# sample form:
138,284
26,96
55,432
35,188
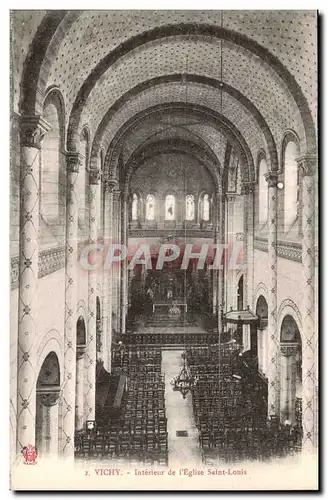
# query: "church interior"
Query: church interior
187,131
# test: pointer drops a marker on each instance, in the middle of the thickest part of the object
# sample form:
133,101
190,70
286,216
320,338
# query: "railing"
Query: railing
171,339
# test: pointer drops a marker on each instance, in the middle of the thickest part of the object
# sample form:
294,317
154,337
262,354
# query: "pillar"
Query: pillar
288,381
248,191
221,272
32,131
74,160
108,274
262,333
91,349
124,270
79,389
248,194
231,273
307,166
273,337
48,408
116,269
215,306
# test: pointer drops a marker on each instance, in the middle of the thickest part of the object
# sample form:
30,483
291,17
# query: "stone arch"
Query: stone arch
81,341
288,307
53,165
81,332
192,29
261,289
54,26
289,136
261,155
49,373
47,395
261,311
54,94
188,135
290,370
185,147
52,341
211,82
195,111
42,52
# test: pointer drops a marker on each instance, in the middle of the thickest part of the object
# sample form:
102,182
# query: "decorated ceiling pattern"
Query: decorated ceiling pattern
131,81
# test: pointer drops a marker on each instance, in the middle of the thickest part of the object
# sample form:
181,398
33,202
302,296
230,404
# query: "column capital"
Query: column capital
110,185
247,187
94,176
116,195
307,164
289,349
73,161
33,128
231,197
271,178
49,395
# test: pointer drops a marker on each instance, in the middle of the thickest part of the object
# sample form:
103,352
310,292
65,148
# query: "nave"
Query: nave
164,235
147,421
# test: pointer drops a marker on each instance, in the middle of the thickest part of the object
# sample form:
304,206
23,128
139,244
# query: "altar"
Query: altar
173,309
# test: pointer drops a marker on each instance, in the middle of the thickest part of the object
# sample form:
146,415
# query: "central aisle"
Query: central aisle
184,450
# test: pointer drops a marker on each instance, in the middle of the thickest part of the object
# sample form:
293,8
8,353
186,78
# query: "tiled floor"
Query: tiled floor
184,450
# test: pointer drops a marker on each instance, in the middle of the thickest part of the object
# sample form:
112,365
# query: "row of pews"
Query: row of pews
230,409
131,424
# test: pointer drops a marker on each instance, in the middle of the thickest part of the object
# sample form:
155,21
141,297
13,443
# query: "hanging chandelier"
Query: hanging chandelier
185,381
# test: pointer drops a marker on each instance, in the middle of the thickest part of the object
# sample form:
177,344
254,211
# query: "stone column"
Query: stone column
32,131
49,421
307,166
91,350
124,270
215,306
79,388
248,191
288,381
263,343
231,273
115,239
221,272
273,344
74,161
108,273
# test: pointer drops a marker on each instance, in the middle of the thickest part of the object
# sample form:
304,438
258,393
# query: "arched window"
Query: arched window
51,147
170,207
291,183
150,207
206,208
263,192
134,207
190,207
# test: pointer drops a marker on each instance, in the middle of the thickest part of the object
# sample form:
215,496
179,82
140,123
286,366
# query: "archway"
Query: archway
290,371
261,312
47,395
81,341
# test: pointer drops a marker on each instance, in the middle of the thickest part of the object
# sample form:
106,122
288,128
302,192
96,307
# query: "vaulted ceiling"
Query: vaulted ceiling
208,77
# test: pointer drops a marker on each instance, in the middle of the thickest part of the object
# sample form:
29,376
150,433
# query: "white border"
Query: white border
4,198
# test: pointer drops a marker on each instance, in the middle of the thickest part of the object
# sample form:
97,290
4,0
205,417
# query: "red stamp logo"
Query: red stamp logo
30,455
